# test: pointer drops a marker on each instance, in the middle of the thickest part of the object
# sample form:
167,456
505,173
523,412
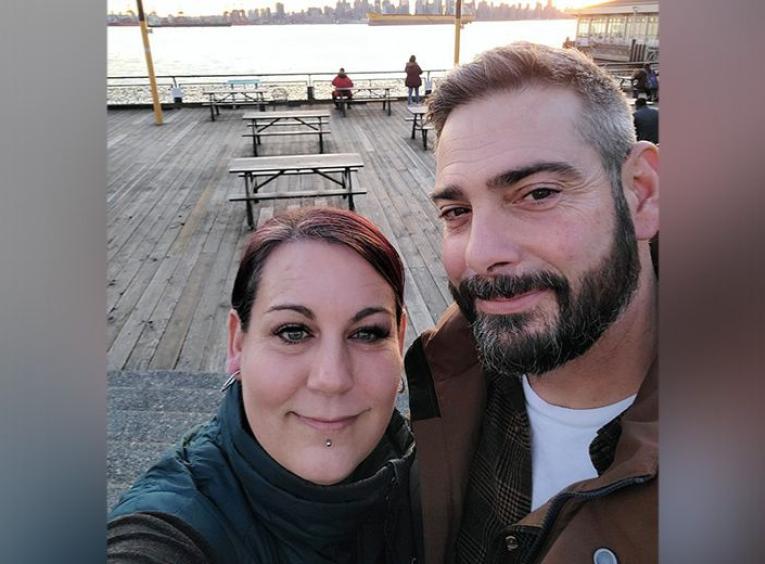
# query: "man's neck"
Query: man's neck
614,367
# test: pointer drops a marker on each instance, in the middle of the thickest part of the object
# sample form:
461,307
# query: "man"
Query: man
533,400
646,121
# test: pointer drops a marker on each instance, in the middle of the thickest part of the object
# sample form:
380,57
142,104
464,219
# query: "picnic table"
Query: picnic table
235,97
335,167
302,122
418,112
365,94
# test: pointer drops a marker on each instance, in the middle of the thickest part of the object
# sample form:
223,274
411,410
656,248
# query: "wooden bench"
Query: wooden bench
336,167
234,98
419,125
373,94
305,122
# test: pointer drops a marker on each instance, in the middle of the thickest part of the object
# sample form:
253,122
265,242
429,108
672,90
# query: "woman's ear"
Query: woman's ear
235,340
640,178
402,330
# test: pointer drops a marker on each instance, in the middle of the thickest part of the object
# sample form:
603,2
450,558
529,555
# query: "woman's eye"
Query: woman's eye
292,333
370,334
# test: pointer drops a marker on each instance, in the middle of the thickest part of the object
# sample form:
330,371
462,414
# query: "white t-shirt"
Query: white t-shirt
560,442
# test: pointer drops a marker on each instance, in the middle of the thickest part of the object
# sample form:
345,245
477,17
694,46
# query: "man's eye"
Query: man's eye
292,333
452,213
541,194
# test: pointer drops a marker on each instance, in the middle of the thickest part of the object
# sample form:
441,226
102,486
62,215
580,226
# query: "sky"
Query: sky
201,7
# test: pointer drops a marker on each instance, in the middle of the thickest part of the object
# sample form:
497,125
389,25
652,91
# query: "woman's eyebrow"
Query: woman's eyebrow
367,311
302,310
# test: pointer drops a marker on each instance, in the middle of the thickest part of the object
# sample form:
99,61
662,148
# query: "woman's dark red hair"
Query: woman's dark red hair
330,225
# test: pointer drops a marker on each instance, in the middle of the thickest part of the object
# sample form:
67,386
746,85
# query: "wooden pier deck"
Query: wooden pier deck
174,239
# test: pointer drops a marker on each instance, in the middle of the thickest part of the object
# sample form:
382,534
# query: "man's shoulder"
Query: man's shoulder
448,348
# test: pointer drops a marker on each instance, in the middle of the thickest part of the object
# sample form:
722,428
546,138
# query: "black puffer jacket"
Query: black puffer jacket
241,506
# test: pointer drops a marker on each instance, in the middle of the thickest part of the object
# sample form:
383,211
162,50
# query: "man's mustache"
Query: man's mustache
505,286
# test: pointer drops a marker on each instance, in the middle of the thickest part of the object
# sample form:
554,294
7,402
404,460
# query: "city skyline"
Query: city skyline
212,7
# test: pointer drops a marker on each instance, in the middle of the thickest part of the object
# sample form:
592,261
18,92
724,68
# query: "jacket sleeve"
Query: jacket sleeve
154,538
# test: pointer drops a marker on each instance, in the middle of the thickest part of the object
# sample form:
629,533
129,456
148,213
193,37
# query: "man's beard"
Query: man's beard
506,345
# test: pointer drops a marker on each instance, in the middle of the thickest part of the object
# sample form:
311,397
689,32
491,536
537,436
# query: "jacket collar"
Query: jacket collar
294,508
635,447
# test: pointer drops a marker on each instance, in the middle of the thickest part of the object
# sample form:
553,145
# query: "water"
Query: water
316,48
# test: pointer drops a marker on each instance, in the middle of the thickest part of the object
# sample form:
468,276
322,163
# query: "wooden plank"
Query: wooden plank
175,241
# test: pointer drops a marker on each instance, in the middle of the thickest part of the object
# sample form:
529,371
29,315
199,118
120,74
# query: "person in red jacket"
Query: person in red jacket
341,82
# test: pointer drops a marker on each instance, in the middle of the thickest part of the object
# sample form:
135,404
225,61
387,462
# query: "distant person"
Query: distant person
342,84
413,80
646,81
646,121
568,44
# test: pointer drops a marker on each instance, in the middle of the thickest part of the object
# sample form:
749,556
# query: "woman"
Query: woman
343,84
413,80
307,460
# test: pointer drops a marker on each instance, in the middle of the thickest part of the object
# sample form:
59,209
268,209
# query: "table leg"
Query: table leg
348,182
212,109
414,125
250,219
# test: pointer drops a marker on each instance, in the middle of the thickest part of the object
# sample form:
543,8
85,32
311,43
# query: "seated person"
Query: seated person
341,81
308,459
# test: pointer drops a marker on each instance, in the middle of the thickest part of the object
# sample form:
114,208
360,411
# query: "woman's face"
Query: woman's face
320,361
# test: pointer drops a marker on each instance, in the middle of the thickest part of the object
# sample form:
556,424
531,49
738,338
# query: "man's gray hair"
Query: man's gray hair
605,123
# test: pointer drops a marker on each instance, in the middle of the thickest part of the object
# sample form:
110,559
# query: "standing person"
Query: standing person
645,81
534,399
413,80
307,459
343,84
646,120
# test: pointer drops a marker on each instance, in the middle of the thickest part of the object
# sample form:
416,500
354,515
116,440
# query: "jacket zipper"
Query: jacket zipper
560,500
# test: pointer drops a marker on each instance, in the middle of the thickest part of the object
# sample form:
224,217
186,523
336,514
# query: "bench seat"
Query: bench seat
297,194
282,132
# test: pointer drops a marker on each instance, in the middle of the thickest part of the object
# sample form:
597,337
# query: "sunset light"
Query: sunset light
206,7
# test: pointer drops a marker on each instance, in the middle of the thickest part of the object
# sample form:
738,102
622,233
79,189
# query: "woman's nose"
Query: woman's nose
331,371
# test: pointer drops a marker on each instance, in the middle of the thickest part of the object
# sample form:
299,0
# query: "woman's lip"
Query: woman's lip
505,306
337,424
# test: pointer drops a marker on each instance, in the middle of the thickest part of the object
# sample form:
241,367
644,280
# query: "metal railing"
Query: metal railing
300,86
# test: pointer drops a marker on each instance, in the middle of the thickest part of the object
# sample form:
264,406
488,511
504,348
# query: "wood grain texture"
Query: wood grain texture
174,239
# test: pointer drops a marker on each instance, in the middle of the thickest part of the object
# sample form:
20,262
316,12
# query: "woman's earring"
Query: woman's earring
402,386
230,381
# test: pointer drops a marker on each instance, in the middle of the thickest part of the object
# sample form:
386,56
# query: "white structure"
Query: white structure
619,30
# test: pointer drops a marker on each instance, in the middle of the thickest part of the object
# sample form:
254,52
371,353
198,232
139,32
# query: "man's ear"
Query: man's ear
402,330
640,178
235,341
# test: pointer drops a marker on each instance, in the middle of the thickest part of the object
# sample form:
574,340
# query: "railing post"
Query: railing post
309,90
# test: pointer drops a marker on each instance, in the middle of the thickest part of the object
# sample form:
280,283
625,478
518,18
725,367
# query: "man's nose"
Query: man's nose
492,247
331,371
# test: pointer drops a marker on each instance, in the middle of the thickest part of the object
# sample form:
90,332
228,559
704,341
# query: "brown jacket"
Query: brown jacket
617,510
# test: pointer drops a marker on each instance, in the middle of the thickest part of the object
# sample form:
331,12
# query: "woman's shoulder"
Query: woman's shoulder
155,538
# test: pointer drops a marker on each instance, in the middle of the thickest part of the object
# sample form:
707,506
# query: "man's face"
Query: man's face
537,256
